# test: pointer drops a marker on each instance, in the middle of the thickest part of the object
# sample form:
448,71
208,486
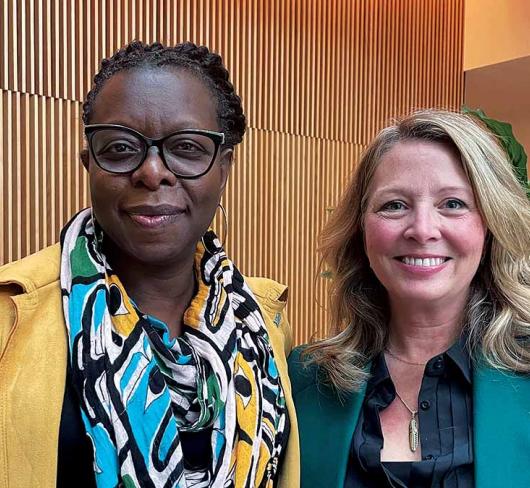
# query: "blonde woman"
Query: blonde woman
423,380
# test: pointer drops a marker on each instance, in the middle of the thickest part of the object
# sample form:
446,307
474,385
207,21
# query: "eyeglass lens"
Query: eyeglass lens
185,154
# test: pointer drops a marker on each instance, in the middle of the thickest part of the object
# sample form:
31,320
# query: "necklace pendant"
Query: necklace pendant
414,438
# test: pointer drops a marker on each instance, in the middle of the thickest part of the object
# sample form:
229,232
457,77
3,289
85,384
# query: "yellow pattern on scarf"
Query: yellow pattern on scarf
127,318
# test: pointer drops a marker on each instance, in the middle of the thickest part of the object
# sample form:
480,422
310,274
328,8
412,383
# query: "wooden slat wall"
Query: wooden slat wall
318,78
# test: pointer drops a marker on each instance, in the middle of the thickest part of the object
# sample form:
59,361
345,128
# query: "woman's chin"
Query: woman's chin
423,296
166,253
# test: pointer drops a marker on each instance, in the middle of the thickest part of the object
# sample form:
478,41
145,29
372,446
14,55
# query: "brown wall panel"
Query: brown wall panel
318,78
42,180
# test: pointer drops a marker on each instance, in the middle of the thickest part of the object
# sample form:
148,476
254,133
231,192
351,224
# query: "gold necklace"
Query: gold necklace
391,354
414,435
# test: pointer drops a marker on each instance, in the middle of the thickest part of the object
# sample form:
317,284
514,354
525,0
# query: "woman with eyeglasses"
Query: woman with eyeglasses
138,354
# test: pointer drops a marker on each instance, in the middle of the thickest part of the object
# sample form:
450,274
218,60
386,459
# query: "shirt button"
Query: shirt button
428,457
425,405
438,364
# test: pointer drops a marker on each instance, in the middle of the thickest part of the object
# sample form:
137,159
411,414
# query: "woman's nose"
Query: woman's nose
153,172
423,225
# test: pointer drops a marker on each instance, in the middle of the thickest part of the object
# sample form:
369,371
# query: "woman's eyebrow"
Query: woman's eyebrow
456,188
389,189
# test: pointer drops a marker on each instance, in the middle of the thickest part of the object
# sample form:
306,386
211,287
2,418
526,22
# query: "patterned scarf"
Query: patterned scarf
138,388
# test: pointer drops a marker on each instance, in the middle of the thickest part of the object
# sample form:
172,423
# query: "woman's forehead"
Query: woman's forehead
160,98
419,156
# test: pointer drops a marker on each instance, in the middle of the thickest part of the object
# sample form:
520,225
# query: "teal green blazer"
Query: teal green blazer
501,427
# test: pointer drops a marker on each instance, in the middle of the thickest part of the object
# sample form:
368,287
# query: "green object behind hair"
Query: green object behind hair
511,145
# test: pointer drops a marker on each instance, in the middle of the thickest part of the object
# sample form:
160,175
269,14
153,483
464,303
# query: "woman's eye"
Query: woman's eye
393,206
454,204
119,147
185,146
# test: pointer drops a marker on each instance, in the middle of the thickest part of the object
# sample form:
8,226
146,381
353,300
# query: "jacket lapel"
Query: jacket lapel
501,403
326,429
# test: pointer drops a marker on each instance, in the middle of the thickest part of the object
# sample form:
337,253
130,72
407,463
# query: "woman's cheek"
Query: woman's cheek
380,234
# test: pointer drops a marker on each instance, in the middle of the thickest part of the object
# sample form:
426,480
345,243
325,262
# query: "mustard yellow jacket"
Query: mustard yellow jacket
33,355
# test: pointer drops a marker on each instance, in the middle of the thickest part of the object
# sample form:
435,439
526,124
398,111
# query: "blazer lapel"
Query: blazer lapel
326,429
501,404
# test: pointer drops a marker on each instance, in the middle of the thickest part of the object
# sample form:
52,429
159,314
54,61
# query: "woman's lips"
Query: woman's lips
153,221
153,216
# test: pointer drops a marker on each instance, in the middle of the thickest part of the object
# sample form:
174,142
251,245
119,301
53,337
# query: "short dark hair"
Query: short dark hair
199,60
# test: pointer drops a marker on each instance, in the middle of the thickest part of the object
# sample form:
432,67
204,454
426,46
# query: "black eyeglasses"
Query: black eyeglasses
187,153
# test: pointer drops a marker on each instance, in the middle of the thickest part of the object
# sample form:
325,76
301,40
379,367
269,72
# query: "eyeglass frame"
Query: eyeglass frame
218,139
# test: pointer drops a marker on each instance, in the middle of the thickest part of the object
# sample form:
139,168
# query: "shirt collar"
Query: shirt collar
379,375
457,355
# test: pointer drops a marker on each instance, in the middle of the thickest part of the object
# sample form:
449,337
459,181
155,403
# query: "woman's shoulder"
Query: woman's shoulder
302,372
272,298
267,291
34,271
34,281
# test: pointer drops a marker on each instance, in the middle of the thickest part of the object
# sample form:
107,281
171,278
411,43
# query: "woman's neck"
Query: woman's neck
163,291
419,333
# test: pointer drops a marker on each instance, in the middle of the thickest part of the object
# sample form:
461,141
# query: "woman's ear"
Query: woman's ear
226,158
83,155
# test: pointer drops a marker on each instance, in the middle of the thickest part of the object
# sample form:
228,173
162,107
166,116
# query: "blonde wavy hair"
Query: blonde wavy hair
497,318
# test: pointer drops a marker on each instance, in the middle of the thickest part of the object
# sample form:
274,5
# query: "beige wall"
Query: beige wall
502,91
495,31
317,77
497,61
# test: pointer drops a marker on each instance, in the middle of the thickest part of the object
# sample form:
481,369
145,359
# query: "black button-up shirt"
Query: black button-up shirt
445,428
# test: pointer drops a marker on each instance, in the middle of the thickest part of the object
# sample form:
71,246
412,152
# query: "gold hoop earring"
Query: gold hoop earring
225,218
225,231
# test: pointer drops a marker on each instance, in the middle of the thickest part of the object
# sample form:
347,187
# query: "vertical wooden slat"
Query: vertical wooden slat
4,19
25,180
8,177
22,46
3,190
13,46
